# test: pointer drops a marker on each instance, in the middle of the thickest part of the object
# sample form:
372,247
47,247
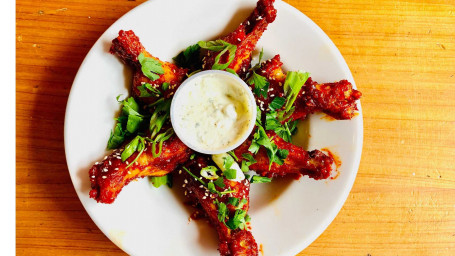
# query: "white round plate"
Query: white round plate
287,215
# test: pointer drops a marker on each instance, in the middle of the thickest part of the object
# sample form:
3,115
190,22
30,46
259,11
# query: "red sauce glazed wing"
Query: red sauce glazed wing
128,47
337,100
231,242
315,164
245,37
109,176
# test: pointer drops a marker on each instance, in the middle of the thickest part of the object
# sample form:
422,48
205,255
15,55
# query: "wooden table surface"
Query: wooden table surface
402,55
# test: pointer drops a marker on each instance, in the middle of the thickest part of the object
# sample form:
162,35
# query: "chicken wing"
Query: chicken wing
245,38
337,100
314,164
109,176
128,48
238,241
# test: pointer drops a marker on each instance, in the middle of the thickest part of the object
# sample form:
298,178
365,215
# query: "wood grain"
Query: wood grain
402,55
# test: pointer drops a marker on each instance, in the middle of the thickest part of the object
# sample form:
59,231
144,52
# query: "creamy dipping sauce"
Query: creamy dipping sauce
214,111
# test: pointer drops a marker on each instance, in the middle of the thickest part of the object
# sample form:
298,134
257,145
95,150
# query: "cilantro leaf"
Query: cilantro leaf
220,182
277,103
292,85
230,174
151,67
189,58
133,123
260,83
233,201
222,211
117,137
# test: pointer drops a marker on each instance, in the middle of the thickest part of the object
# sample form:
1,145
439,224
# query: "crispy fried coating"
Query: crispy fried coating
231,242
245,37
109,176
128,47
337,100
314,164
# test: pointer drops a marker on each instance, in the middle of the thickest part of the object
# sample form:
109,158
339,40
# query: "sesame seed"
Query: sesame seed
206,194
259,18
116,169
105,157
129,172
105,170
184,185
204,197
93,176
104,177
238,39
110,162
97,163
180,171
186,192
248,22
201,186
186,181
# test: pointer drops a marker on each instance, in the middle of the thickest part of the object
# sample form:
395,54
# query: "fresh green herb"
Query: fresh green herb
258,116
194,176
230,174
250,158
245,168
233,201
292,85
226,192
249,161
238,220
260,179
277,103
116,138
160,139
222,47
151,67
220,182
133,123
159,116
165,86
285,131
222,211
162,180
147,90
216,46
258,64
209,172
260,83
211,187
137,144
189,58
230,70
260,138
231,153
242,203
231,49
192,156
227,164
130,106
